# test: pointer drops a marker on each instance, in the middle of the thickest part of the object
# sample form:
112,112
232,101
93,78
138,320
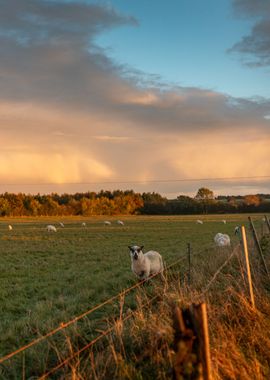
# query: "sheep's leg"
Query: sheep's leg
143,275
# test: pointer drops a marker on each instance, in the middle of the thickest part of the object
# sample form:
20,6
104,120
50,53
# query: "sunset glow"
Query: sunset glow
74,111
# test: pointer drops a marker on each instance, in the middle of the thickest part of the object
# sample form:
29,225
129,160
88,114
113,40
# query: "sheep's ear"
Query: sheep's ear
141,247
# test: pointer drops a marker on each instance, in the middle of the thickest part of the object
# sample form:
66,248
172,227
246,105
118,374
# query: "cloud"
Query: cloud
50,167
255,48
48,52
70,114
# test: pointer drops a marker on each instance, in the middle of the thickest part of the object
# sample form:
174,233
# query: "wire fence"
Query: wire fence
124,318
64,325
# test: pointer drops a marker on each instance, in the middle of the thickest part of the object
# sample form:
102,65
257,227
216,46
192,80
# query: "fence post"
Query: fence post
191,343
244,240
258,245
189,262
267,221
200,319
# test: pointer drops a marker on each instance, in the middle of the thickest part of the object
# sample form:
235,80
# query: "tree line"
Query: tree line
128,203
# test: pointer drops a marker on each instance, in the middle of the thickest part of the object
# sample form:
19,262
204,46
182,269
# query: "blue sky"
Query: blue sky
129,94
186,43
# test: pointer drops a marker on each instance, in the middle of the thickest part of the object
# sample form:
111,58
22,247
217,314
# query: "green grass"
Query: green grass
49,278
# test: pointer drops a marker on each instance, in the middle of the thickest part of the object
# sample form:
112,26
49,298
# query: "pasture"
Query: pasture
49,278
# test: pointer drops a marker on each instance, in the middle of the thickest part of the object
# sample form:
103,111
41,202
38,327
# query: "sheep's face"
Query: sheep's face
135,251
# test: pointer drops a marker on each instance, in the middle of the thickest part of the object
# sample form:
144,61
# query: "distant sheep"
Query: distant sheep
83,224
144,265
61,224
120,222
237,230
10,227
107,223
222,240
224,221
199,221
51,228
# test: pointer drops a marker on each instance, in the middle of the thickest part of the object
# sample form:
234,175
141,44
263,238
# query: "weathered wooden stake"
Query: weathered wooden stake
258,245
267,221
244,240
189,262
185,345
200,320
191,343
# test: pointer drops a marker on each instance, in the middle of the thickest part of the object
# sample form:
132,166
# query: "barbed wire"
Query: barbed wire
94,341
206,289
108,331
64,325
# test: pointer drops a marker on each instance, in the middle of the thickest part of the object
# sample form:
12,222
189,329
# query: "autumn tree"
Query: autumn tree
252,200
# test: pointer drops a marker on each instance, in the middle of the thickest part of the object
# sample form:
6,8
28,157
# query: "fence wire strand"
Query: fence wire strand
206,289
64,325
94,341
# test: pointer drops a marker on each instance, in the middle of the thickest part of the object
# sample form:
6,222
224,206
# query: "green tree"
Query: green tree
204,193
205,199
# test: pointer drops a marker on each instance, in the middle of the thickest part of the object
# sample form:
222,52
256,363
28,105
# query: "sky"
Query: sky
143,95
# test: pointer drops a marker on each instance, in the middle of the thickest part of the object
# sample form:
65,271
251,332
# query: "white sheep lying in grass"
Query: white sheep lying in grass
222,240
107,223
51,228
145,264
224,221
83,224
61,224
199,221
10,227
120,222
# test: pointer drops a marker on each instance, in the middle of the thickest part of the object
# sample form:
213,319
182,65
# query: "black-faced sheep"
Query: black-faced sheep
237,230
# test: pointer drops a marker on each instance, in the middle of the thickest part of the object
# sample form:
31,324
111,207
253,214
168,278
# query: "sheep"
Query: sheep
224,221
10,227
237,230
51,228
61,224
120,222
144,265
222,240
107,223
199,221
83,224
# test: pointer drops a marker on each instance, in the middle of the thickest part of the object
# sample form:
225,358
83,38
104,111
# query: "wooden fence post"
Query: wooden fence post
258,245
201,323
267,221
191,343
244,240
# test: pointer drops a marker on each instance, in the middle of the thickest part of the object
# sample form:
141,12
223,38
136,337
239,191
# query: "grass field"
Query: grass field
49,278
